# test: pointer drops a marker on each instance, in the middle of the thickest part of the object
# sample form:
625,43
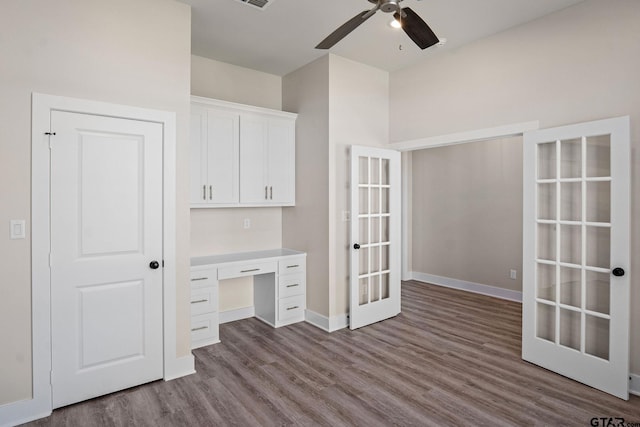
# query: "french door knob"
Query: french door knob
356,246
154,265
618,272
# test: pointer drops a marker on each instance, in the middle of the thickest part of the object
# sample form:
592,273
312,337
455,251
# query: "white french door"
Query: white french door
576,252
106,254
375,235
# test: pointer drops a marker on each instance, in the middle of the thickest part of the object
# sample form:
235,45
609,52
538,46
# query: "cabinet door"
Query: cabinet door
281,161
223,142
198,163
253,185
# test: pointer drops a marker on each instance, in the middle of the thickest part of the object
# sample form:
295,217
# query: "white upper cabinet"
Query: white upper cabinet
214,157
267,160
241,155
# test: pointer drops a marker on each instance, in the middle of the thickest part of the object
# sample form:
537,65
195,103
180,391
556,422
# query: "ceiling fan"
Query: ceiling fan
411,23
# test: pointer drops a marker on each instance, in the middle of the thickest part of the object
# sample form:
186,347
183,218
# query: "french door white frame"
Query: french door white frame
42,105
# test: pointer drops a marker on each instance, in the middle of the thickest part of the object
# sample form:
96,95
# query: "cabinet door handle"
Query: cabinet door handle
195,279
271,193
249,271
292,308
265,191
199,301
211,192
199,329
204,192
293,266
288,286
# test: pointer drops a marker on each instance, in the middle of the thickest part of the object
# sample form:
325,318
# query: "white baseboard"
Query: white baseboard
23,411
237,314
181,367
634,384
325,323
477,288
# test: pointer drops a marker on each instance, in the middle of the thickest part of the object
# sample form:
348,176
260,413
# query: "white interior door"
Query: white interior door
106,234
375,235
576,252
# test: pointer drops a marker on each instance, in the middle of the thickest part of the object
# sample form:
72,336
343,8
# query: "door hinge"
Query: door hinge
50,259
51,377
162,263
50,134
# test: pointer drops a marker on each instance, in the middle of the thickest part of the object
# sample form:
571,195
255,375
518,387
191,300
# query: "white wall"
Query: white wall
216,231
134,53
306,227
340,102
467,212
575,65
358,115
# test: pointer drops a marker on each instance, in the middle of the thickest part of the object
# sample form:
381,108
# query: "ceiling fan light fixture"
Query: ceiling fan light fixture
395,24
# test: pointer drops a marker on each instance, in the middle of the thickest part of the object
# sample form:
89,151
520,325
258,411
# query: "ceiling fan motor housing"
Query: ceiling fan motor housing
387,6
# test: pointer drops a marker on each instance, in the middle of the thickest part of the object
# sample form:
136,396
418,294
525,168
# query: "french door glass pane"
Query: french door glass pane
546,322
598,292
547,201
363,285
375,171
375,288
571,286
384,169
571,201
364,170
571,244
375,230
384,285
547,160
598,246
384,200
570,329
599,201
364,261
364,230
599,156
384,229
597,337
363,200
571,155
546,275
547,241
375,200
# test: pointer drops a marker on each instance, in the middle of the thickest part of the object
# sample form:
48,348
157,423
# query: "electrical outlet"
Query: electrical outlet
246,223
17,228
513,274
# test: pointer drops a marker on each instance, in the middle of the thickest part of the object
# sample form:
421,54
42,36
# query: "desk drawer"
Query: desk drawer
241,270
291,265
204,300
203,278
293,284
291,308
204,327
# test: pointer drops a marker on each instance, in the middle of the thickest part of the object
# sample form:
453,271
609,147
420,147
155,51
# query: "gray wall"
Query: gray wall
467,212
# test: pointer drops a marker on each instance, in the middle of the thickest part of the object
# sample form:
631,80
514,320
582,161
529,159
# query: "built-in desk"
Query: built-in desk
279,288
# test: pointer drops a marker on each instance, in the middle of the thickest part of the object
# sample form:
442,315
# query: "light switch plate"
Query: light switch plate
18,228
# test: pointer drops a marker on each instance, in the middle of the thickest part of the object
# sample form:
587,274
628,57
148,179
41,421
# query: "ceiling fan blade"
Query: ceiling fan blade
416,28
345,29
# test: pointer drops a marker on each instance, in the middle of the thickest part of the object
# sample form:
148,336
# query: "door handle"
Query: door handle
271,193
356,246
204,192
211,192
266,187
618,272
154,265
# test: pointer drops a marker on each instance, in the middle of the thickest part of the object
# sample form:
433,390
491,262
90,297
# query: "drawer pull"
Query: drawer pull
199,301
195,279
293,266
293,286
199,329
292,308
250,270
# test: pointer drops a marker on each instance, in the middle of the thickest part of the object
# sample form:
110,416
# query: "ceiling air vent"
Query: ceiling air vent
259,4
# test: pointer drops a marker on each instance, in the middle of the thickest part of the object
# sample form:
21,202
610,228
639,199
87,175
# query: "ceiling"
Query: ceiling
281,37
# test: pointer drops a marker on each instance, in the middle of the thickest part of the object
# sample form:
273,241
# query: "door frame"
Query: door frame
406,147
42,106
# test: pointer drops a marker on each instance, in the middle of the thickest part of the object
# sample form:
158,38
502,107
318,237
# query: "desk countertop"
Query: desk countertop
243,256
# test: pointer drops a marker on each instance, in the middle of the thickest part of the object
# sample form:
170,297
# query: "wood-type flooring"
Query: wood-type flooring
450,358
